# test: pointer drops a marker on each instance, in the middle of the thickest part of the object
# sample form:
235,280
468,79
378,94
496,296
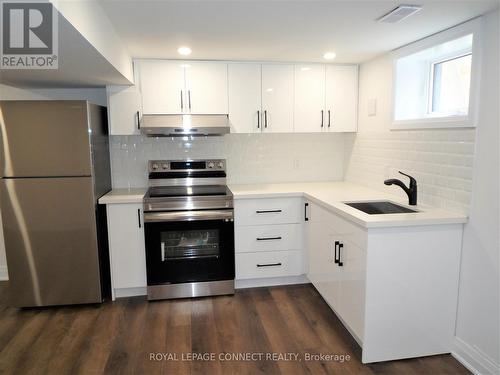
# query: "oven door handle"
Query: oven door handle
155,217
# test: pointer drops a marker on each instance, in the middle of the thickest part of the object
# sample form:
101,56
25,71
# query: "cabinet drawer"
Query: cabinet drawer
268,211
269,264
268,238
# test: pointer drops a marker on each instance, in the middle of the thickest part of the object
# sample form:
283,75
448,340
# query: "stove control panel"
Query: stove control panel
186,165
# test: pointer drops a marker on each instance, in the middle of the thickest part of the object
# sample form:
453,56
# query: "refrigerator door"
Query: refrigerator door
50,240
44,138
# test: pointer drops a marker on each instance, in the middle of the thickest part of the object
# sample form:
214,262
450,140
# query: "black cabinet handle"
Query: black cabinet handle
341,246
139,217
268,238
267,211
138,120
305,211
189,99
258,119
335,258
269,265
265,119
322,118
329,122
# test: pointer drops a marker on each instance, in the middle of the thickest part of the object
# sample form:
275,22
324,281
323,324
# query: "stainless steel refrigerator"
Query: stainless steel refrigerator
54,164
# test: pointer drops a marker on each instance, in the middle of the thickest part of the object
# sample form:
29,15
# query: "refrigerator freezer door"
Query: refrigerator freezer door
50,239
44,138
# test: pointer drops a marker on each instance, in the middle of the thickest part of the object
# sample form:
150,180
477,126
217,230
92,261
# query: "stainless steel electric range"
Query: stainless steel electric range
189,229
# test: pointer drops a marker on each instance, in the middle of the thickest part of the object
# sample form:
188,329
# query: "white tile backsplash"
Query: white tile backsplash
251,158
440,160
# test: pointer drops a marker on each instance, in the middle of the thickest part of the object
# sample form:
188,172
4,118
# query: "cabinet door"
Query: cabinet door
206,84
244,85
124,103
162,86
277,98
341,97
352,287
124,107
309,113
126,243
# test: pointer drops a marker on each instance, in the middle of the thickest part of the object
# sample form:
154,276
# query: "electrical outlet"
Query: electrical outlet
296,164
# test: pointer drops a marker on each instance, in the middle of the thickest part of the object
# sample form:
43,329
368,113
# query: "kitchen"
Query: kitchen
314,195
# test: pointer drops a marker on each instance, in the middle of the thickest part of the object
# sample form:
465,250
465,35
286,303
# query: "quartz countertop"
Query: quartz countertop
123,196
333,195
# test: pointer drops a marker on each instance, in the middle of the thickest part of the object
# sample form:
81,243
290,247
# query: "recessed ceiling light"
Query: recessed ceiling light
305,68
184,51
329,55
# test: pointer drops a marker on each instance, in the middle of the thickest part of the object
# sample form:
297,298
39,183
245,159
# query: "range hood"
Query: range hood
184,125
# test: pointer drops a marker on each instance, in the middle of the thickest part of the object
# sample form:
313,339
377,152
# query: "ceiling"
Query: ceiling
300,30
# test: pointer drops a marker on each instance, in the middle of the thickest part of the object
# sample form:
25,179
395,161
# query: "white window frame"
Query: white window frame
451,121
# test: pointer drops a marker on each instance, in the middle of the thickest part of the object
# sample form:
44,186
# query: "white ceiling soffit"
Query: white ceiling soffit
80,65
300,30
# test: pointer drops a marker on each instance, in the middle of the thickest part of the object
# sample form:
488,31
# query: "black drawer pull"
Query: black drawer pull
305,212
269,265
267,211
268,238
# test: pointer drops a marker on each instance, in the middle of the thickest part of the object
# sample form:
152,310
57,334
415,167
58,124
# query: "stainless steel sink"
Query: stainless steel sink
380,207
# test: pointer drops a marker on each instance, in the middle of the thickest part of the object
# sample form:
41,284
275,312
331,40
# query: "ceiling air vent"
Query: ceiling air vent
399,13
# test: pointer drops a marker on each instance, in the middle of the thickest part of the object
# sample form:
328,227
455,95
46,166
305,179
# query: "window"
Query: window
434,80
450,86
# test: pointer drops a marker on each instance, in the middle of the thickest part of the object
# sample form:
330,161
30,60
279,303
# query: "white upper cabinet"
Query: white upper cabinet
245,91
206,87
309,114
269,98
162,86
179,87
341,97
277,98
124,108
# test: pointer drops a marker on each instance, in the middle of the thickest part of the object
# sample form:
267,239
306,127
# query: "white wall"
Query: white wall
251,158
455,168
478,327
93,95
440,160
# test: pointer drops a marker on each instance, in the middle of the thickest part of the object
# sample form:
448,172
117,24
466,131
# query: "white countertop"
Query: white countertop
331,196
123,196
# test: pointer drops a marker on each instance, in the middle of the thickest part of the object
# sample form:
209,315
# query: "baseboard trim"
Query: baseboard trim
270,281
131,292
4,275
473,359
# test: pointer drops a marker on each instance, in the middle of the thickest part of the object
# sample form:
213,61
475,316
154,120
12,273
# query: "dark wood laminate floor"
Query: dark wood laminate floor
118,337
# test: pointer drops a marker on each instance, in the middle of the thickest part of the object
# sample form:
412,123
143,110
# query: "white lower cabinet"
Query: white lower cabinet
395,289
126,249
268,264
269,238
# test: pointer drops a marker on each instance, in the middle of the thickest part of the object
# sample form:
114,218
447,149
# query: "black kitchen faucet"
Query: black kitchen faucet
411,191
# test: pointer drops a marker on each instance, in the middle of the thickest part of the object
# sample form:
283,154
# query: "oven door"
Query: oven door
189,246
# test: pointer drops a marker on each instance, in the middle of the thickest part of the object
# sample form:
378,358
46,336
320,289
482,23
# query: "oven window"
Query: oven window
189,244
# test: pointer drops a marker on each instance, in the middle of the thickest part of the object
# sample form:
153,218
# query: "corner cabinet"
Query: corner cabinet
326,98
395,289
126,249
